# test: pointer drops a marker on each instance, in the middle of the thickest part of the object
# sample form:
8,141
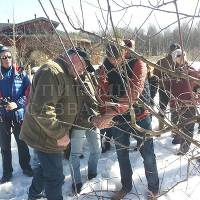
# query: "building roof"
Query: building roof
38,19
2,25
8,25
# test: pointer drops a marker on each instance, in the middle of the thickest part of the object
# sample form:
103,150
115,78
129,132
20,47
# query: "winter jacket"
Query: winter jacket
87,105
182,89
111,88
166,63
52,107
14,87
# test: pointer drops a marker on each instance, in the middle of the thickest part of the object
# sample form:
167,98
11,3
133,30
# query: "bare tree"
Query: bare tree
153,41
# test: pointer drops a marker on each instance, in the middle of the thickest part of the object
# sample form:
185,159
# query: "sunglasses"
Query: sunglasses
6,57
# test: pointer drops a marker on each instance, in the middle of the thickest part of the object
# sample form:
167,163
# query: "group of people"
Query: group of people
66,103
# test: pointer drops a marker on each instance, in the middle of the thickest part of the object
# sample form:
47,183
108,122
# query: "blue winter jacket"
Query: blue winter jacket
15,85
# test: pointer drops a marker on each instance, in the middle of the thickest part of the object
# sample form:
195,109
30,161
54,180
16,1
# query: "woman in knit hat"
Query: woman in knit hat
182,106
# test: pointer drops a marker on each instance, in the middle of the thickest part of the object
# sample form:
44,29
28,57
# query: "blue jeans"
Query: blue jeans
48,176
77,140
146,150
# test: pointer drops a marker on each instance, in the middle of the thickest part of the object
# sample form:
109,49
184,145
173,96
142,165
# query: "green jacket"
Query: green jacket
166,63
88,106
52,107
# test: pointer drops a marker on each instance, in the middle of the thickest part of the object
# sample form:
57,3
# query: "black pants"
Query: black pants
163,99
153,87
5,144
178,116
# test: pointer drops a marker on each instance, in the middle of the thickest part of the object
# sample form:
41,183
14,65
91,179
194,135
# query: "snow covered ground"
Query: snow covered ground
195,65
172,169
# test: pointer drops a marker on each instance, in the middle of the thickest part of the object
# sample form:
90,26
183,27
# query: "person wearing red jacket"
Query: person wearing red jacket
182,101
116,96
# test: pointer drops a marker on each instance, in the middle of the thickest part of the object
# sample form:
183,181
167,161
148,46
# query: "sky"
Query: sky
22,10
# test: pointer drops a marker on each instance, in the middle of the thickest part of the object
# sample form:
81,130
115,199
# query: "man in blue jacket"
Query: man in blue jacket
14,87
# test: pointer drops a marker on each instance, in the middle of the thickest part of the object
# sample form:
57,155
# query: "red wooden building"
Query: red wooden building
39,25
37,34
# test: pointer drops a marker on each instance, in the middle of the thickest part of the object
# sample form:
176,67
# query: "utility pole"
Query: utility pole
14,39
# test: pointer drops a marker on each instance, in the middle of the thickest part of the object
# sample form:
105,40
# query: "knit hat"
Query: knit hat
112,51
4,48
129,43
82,53
174,46
176,54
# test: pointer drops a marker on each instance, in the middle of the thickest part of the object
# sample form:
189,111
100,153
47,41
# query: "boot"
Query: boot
184,148
5,178
152,195
91,176
76,188
119,195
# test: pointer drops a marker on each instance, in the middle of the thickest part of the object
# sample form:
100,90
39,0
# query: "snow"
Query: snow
175,174
195,65
172,169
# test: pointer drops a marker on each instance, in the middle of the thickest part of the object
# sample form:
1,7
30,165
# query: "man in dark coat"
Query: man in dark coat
117,97
164,95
